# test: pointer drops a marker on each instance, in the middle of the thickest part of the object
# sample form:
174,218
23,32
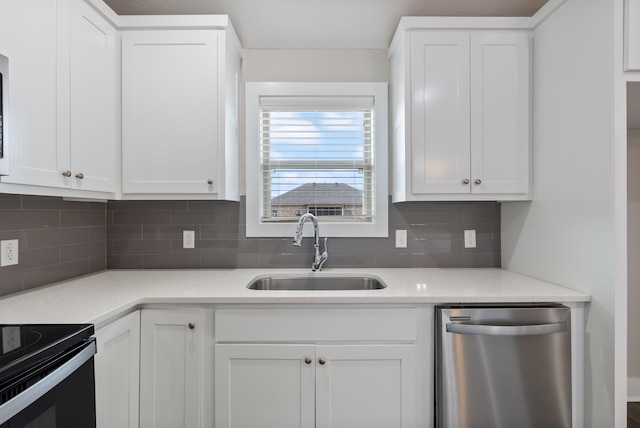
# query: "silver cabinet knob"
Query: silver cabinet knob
79,176
192,326
322,361
465,181
66,173
478,181
210,182
307,360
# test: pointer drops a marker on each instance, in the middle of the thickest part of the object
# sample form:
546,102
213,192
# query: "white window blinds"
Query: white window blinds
316,155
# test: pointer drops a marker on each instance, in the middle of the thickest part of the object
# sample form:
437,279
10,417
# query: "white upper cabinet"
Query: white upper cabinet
460,100
632,35
63,59
28,39
179,109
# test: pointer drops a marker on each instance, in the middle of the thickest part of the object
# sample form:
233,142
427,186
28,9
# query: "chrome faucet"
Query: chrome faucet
318,259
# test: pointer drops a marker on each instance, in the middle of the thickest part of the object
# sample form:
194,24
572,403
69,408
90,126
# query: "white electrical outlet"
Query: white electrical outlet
469,239
9,252
401,239
188,239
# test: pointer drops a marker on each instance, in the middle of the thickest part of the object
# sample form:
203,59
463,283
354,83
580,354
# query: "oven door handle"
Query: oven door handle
23,400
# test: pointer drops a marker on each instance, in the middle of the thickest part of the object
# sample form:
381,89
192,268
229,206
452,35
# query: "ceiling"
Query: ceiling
323,24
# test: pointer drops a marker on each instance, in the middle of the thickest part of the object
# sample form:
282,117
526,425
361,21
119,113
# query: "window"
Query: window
326,211
319,148
316,151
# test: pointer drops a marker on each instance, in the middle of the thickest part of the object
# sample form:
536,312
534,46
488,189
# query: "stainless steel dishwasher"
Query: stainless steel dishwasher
503,366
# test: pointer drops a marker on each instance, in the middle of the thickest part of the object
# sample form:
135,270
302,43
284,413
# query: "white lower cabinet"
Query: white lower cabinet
303,367
306,385
316,367
265,386
171,368
117,363
366,386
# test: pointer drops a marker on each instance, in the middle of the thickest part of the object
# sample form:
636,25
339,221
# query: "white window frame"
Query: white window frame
379,225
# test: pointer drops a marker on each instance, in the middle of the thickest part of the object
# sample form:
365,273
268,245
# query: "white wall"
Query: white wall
312,65
633,243
633,210
566,235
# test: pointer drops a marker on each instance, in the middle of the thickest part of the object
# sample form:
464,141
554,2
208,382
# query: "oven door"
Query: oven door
63,397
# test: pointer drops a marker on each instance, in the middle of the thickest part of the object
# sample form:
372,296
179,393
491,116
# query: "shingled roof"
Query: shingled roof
320,194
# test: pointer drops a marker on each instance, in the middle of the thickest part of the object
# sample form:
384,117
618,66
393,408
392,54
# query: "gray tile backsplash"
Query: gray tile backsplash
148,235
58,240
62,239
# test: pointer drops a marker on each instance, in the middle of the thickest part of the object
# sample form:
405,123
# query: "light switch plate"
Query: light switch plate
188,239
401,239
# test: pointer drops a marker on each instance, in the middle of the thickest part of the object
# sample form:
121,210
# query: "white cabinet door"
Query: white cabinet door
632,35
28,32
171,368
367,386
440,125
499,112
170,111
117,365
265,386
92,80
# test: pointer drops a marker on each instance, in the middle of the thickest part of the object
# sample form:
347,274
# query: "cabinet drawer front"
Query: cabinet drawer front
315,324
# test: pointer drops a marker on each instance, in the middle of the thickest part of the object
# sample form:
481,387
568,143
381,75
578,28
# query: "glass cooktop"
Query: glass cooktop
24,346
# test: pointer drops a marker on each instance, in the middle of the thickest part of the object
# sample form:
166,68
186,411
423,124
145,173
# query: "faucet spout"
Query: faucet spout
318,259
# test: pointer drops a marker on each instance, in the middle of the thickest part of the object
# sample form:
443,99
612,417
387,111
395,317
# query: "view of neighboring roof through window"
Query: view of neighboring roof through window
317,157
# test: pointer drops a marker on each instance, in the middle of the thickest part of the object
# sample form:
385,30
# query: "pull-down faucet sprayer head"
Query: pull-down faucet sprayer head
318,259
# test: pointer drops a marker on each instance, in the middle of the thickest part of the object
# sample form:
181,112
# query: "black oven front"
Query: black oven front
47,376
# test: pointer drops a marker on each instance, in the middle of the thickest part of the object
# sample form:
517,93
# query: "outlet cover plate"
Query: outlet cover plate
469,239
188,239
9,252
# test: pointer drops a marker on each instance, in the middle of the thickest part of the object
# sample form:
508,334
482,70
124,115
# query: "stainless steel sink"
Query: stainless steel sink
316,283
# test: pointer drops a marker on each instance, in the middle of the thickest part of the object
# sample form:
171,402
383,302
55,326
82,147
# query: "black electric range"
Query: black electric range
47,375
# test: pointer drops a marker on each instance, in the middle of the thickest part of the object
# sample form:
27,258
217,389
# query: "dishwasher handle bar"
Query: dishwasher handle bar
507,330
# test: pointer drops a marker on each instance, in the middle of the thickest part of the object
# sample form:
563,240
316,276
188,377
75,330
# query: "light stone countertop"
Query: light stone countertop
101,297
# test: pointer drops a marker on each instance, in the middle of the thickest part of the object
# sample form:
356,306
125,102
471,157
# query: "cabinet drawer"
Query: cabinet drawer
315,324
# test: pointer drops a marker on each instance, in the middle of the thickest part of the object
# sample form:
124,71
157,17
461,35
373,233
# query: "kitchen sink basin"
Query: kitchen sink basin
316,283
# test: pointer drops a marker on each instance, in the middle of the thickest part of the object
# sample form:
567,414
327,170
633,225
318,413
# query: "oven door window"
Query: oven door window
71,403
